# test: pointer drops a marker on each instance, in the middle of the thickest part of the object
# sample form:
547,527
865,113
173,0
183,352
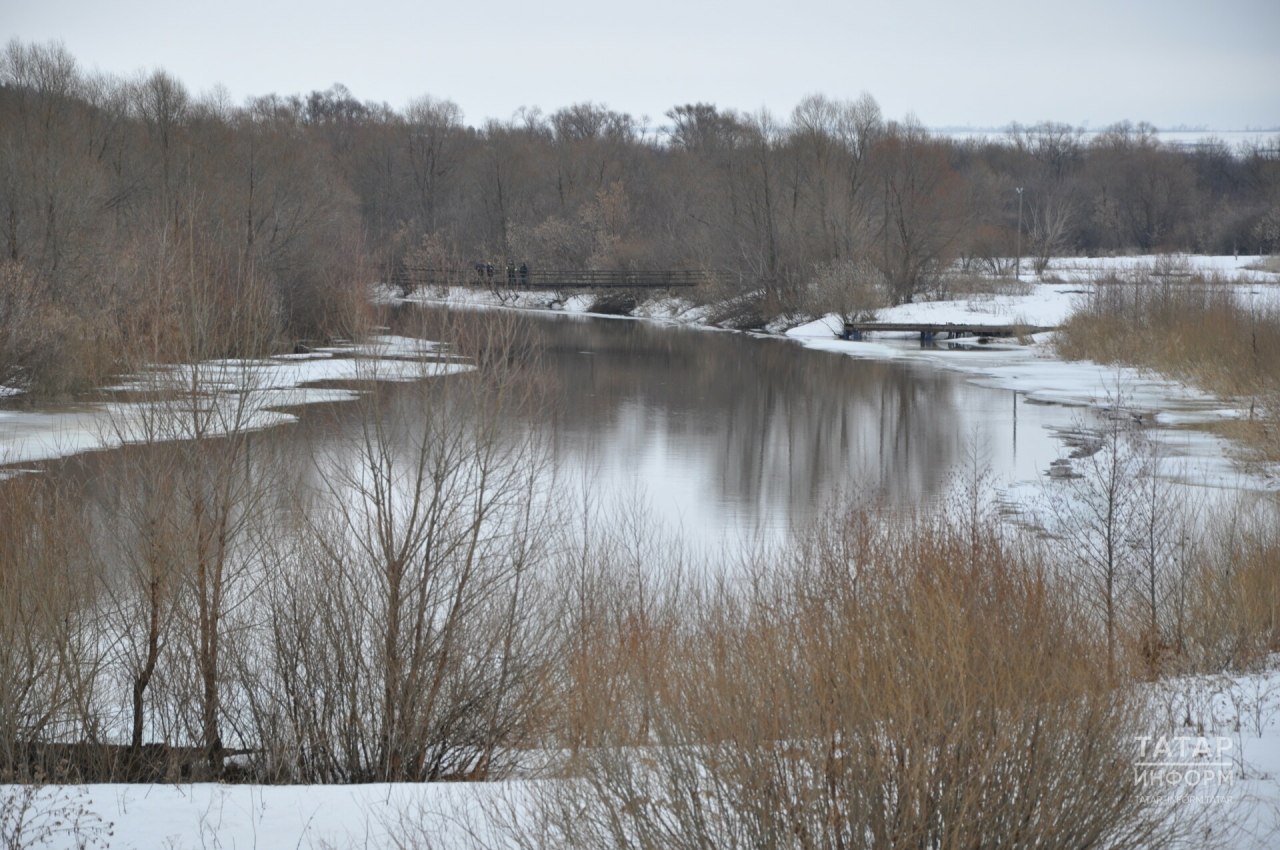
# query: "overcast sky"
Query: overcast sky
1214,63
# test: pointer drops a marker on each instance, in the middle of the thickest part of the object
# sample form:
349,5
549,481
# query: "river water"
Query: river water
725,437
721,437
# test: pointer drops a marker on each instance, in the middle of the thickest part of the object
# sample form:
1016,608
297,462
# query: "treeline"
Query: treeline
833,195
136,216
119,193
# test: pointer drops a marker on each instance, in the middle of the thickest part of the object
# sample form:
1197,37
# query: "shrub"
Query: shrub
892,682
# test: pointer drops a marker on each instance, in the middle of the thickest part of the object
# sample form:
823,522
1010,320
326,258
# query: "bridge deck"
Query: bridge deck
928,330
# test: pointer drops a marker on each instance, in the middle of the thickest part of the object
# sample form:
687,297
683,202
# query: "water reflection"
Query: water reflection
724,437
728,435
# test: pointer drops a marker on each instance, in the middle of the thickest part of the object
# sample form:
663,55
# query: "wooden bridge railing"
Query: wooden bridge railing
411,277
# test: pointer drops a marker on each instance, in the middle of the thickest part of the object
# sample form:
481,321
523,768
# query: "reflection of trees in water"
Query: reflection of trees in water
778,424
778,427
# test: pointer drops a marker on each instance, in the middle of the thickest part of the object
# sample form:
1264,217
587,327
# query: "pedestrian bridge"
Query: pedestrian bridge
498,277
929,331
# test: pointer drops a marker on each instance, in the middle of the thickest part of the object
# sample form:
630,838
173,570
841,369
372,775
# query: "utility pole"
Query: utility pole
1017,263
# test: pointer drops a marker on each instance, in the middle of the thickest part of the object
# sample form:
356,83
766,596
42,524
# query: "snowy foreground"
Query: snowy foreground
208,816
1233,721
1237,716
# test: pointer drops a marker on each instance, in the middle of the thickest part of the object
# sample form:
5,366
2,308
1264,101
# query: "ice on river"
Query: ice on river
245,394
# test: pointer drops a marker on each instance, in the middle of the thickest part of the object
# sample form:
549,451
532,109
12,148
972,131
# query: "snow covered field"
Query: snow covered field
1236,715
207,816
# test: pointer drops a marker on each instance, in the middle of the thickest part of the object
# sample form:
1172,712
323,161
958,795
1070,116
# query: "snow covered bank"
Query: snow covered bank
252,394
1236,783
1216,740
388,816
1037,373
1034,371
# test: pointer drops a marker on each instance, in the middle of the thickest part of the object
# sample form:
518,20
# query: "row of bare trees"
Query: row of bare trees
109,187
834,184
100,175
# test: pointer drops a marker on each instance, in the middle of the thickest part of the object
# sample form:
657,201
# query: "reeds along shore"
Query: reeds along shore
1214,333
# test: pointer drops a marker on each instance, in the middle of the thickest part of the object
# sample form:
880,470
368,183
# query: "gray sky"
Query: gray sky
979,63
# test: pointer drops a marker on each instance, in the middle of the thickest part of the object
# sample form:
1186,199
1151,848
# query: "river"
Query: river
721,437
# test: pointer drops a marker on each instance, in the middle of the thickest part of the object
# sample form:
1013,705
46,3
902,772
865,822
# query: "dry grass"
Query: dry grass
1196,329
1234,617
1211,333
1265,264
960,286
851,290
47,654
889,682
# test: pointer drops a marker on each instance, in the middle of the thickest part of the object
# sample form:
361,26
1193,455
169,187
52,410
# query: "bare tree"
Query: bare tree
162,103
434,128
1051,220
920,208
1161,534
1093,512
413,613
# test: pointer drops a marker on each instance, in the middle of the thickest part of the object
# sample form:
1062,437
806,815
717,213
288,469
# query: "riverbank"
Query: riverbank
1190,419
1238,713
256,394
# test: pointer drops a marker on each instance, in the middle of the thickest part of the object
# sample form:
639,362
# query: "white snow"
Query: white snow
387,816
1081,268
249,394
1237,715
1240,716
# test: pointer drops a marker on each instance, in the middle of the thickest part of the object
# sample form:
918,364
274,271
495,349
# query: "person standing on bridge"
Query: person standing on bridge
511,273
524,274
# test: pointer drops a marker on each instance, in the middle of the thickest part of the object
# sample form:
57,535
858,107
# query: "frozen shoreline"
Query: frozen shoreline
1033,371
252,394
